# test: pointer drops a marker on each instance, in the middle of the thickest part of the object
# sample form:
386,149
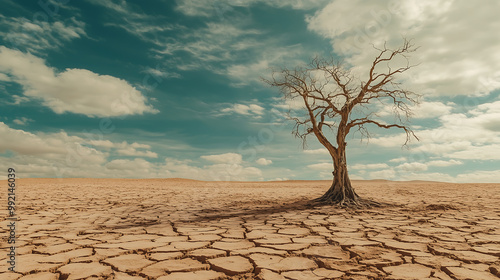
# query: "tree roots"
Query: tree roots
344,199
347,203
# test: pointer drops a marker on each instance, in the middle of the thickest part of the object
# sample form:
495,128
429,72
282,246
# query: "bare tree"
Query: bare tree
338,102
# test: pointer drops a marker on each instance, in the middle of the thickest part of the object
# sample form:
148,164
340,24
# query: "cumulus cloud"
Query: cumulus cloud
65,156
48,154
77,91
125,149
245,73
472,135
26,143
322,151
450,62
424,110
4,77
138,164
483,152
289,104
226,167
132,150
369,166
399,159
22,121
427,110
263,161
229,158
248,110
444,163
386,174
485,176
413,166
427,176
321,166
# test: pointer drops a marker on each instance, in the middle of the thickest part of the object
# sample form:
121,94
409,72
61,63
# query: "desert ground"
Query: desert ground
183,229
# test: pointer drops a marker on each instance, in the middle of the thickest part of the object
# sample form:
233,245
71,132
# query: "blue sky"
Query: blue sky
159,89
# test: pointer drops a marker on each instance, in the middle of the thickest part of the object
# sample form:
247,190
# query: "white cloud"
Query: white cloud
321,166
248,73
138,164
216,42
102,143
263,161
471,177
26,143
56,153
369,166
160,73
222,8
37,36
248,110
74,90
480,177
271,56
424,110
290,104
130,151
129,18
484,152
322,151
125,149
229,158
122,8
62,155
399,159
427,110
424,176
383,174
19,99
22,121
4,77
473,135
413,166
392,141
227,167
450,63
444,163
279,179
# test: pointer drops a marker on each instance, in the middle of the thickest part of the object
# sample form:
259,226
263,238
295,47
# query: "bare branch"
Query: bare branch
330,92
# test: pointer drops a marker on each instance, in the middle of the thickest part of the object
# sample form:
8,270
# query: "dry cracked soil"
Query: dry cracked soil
170,229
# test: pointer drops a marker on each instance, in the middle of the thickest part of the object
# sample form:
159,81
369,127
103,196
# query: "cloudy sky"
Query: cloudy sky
172,88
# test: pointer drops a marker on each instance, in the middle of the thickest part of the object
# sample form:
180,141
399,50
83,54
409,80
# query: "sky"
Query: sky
164,88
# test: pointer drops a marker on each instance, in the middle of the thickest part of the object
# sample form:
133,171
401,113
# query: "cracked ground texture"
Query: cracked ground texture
182,229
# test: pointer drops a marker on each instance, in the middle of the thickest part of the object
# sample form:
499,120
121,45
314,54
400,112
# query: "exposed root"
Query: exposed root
347,202
344,198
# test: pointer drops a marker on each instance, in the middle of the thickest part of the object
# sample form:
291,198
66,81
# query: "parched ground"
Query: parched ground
182,229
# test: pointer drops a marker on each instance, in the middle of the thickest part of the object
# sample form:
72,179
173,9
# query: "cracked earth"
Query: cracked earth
182,229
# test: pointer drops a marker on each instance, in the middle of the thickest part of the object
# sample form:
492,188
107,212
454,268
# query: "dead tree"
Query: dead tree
336,103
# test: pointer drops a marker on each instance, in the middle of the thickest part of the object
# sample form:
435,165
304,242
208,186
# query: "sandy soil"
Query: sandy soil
183,229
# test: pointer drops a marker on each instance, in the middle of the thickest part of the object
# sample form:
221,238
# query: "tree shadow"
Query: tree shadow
232,211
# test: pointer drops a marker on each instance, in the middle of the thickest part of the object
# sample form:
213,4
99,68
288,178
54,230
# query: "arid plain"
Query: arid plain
184,229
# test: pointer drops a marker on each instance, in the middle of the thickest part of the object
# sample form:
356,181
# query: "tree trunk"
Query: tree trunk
341,192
